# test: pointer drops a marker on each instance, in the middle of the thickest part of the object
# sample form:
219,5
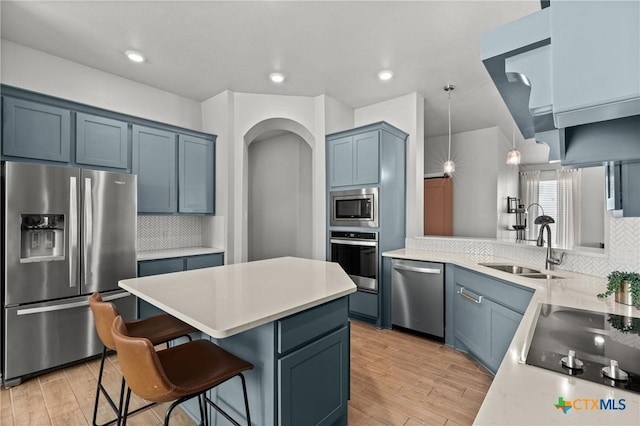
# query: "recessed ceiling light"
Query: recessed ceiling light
385,75
134,56
276,77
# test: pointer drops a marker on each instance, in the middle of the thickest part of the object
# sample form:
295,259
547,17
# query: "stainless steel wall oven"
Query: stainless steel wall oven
357,253
358,207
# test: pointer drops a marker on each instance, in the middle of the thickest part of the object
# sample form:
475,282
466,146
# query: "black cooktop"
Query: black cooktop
596,338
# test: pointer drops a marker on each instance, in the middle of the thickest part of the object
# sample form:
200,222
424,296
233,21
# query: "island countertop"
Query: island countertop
228,300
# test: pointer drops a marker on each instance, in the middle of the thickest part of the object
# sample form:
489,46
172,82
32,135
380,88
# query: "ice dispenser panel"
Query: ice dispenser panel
42,237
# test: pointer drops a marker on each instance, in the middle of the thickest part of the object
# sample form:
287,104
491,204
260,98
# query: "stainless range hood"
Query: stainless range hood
572,64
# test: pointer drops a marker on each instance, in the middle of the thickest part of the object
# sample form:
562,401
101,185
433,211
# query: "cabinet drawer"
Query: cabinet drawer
505,293
204,261
298,329
160,266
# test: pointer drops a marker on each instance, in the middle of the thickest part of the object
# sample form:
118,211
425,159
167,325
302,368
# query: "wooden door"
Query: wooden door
438,206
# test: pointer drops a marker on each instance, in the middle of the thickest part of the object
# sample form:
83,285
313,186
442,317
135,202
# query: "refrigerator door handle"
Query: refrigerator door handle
66,306
73,231
88,231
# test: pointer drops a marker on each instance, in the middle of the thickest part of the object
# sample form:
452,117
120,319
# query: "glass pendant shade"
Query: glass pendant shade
449,166
513,156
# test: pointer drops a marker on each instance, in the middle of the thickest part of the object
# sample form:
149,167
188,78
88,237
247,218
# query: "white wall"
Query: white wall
407,114
40,72
279,202
507,186
338,116
480,181
244,111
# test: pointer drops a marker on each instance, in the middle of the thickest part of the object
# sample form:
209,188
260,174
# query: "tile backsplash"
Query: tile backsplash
622,253
168,232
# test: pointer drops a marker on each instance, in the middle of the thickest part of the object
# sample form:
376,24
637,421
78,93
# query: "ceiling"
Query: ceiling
198,49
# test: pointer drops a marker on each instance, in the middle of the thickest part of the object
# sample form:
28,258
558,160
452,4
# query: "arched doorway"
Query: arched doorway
279,190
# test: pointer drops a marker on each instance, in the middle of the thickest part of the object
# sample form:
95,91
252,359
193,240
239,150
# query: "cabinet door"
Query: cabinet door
101,141
156,267
154,161
204,261
341,161
322,370
366,158
32,130
470,327
195,175
501,324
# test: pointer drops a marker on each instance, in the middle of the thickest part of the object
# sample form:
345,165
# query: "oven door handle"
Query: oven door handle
355,243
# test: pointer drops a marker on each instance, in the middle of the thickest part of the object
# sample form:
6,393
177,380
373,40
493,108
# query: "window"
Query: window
548,199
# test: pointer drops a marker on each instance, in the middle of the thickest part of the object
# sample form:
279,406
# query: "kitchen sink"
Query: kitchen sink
541,276
522,271
512,269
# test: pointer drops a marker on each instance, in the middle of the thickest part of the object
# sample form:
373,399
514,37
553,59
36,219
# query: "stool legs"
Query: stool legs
201,401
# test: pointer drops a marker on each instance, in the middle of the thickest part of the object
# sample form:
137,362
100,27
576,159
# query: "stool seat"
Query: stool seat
198,366
159,328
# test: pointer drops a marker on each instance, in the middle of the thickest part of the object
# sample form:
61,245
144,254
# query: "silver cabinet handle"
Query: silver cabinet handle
88,231
471,298
73,231
417,269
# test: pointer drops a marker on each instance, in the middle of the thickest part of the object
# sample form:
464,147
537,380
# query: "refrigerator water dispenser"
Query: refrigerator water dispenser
42,237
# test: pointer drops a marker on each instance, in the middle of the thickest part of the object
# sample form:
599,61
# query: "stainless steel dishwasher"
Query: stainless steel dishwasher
417,296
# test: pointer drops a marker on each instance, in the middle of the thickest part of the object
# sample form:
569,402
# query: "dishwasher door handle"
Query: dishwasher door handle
468,297
416,269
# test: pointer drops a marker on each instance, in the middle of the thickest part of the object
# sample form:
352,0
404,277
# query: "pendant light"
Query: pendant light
449,165
513,156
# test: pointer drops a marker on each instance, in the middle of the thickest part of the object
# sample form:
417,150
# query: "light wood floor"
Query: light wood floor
396,379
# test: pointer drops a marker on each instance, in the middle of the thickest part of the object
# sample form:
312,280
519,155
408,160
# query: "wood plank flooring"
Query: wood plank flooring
396,379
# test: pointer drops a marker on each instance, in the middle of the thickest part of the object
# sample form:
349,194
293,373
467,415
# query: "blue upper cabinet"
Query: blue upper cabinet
101,141
340,161
195,175
35,131
154,161
354,160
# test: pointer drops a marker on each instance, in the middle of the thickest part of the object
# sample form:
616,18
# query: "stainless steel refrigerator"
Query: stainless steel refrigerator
67,232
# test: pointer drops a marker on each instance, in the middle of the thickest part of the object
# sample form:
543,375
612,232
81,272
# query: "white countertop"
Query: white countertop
177,252
525,395
227,300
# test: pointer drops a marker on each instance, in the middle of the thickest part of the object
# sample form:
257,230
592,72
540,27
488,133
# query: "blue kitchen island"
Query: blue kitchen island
287,316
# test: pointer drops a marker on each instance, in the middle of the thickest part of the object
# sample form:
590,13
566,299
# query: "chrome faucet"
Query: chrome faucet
544,221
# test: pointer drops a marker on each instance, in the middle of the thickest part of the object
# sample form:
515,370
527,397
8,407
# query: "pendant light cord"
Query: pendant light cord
449,96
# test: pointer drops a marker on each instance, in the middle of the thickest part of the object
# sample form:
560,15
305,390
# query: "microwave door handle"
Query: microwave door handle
73,231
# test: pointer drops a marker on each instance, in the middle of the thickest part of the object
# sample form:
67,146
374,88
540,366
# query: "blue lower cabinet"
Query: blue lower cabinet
321,369
483,314
361,303
204,261
501,324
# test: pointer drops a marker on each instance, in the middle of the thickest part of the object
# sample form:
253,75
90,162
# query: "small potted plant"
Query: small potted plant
625,285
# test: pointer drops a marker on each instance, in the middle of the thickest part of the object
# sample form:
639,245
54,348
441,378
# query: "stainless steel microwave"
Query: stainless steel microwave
358,207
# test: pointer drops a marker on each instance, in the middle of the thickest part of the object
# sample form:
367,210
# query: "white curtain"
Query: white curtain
529,184
568,221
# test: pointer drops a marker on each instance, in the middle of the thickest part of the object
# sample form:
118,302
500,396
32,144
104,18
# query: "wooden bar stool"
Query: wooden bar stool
175,374
158,329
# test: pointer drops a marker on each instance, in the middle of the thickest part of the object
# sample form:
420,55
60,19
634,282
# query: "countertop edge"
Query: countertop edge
177,252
